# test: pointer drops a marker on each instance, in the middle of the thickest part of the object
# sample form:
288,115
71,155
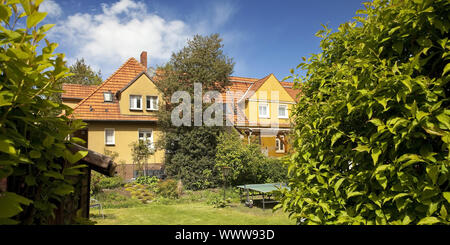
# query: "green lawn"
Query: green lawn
190,214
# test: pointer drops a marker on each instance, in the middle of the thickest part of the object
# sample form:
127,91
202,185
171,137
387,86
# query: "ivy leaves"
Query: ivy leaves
373,121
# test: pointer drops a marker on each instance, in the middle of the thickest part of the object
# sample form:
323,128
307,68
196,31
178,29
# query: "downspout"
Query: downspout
250,134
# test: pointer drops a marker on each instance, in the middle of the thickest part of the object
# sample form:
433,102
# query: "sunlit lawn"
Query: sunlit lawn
190,214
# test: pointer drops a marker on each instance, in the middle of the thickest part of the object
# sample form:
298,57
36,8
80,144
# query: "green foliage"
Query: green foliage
373,123
147,180
32,140
190,151
191,155
140,152
168,189
248,164
218,202
82,73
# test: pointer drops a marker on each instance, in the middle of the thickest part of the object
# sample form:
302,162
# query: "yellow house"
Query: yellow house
266,106
122,110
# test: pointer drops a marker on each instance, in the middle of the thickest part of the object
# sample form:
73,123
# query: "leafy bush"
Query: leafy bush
100,182
373,122
151,182
33,139
168,188
247,163
218,202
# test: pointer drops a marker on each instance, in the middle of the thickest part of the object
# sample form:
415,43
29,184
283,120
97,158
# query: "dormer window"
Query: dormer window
152,103
108,96
135,102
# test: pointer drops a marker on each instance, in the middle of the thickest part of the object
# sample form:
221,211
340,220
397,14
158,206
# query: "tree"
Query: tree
83,74
33,141
373,123
140,151
190,150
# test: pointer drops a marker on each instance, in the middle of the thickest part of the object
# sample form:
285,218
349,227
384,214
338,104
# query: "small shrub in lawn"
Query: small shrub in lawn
168,188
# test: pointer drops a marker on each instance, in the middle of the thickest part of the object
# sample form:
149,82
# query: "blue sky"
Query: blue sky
262,36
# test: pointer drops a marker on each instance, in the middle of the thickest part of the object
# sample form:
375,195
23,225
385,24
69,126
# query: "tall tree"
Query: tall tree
190,150
373,125
83,74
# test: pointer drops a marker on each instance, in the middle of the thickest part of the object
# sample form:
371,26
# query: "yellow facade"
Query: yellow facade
272,94
125,133
142,86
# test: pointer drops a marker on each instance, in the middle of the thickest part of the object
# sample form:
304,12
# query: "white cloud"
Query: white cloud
125,28
51,7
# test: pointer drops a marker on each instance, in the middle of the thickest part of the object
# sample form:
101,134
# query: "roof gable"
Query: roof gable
93,106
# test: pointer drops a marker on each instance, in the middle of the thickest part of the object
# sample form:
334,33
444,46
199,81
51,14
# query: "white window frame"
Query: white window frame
107,93
267,110
148,105
286,110
147,130
280,148
140,100
113,137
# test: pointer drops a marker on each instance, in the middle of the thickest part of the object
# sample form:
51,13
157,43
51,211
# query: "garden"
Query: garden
150,201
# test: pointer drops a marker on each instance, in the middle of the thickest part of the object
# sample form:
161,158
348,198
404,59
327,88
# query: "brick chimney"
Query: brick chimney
144,58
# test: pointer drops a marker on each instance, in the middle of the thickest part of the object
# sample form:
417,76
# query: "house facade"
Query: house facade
123,109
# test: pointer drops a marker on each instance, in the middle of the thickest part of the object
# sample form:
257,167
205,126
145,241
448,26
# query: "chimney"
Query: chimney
144,59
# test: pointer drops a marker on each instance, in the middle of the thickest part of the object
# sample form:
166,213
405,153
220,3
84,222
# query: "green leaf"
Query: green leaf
5,12
354,193
335,137
446,195
446,69
375,154
337,185
433,173
73,158
444,119
362,148
35,154
10,204
7,147
35,18
63,190
428,221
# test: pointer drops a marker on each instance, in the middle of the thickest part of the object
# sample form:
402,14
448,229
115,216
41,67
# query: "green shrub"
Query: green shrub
168,188
373,122
150,182
100,182
247,162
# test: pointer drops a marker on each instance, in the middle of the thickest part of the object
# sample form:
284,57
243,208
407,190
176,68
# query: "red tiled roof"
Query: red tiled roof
77,91
93,106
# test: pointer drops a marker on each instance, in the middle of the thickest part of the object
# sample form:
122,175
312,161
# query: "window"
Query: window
146,135
263,110
152,103
135,102
279,144
108,96
282,111
109,136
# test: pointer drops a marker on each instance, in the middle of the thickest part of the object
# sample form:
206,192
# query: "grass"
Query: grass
191,214
193,208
